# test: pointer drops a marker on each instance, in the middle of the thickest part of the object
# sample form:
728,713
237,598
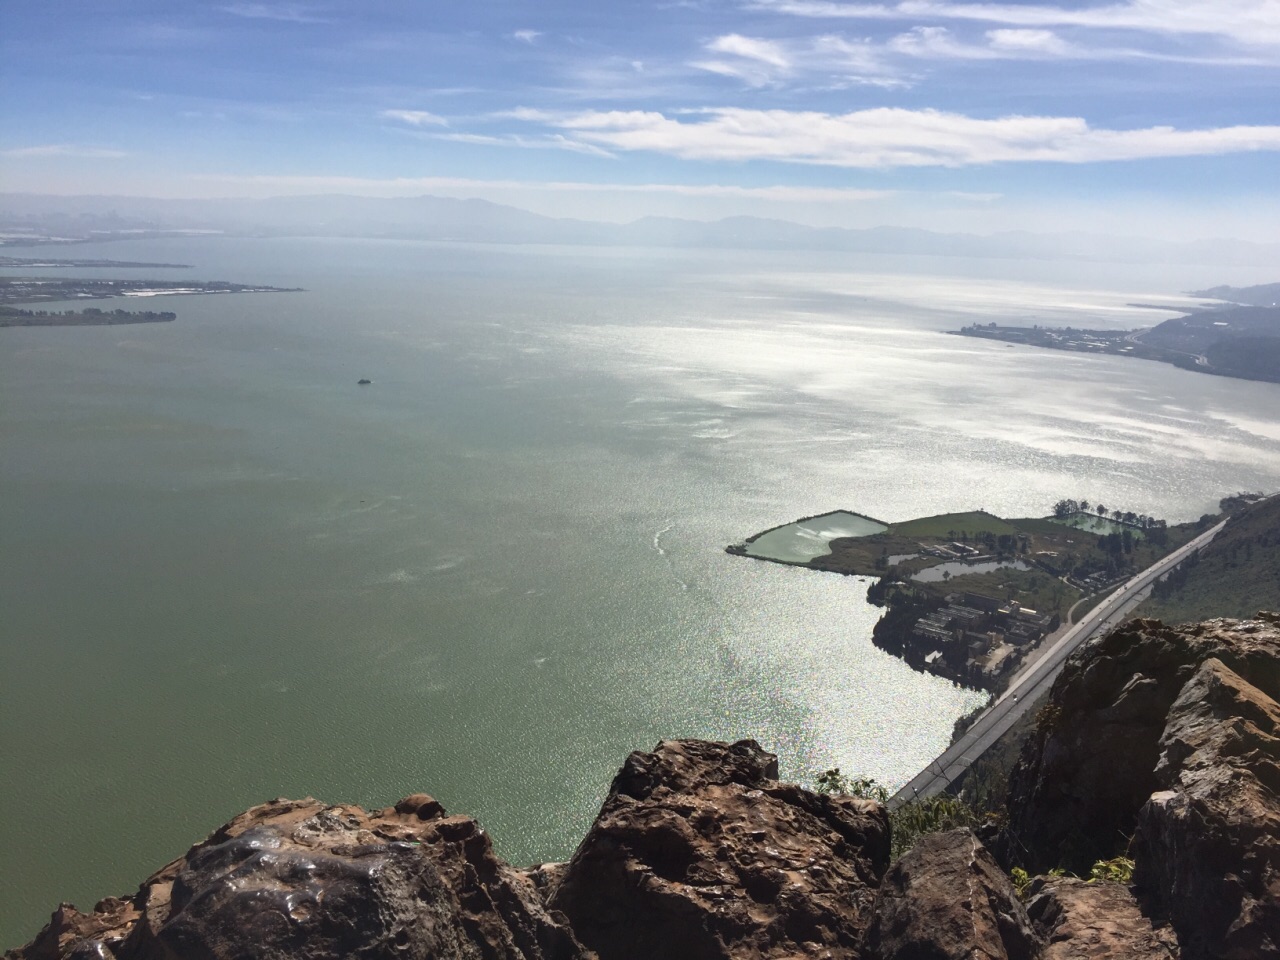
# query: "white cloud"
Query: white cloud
1003,44
893,137
1029,41
751,48
63,150
288,12
526,36
1247,22
760,63
415,118
551,142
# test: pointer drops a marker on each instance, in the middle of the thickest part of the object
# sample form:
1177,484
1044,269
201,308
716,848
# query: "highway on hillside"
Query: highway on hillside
1036,677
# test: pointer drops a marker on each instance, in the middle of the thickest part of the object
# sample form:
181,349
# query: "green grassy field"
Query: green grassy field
954,525
1236,575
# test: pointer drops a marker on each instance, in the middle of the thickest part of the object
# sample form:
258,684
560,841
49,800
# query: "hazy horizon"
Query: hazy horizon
1148,117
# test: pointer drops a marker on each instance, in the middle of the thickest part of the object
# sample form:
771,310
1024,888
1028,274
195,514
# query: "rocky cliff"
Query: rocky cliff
1162,742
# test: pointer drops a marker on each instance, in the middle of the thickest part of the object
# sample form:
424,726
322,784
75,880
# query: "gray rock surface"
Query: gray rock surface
299,879
947,899
1075,794
1095,921
1208,842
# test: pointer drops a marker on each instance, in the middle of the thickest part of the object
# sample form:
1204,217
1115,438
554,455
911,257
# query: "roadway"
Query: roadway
1037,675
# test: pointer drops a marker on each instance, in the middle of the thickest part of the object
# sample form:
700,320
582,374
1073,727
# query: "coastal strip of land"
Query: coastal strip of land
47,289
25,263
1233,341
972,596
35,290
1032,682
89,317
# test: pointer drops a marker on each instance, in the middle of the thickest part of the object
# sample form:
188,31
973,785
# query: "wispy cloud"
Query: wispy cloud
893,137
759,62
939,43
415,118
549,142
1026,43
527,36
751,48
287,12
1248,22
64,150
409,186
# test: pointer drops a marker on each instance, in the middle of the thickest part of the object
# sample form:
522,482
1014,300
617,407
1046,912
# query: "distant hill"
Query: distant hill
30,219
1234,341
1236,575
1262,295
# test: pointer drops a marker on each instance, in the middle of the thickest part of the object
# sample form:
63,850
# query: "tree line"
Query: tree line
1067,507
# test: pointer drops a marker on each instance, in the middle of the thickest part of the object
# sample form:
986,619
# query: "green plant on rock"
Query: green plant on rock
833,782
1115,870
913,819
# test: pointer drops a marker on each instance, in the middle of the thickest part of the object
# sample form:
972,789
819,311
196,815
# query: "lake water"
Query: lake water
229,573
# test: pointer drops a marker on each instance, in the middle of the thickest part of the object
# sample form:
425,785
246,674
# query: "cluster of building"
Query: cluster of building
977,634
952,551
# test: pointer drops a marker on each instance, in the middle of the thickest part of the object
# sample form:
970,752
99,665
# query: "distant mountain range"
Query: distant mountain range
1263,295
30,219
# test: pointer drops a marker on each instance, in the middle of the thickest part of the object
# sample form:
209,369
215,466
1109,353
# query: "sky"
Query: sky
1149,117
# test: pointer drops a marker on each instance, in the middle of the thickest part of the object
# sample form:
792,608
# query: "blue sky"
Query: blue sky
1162,116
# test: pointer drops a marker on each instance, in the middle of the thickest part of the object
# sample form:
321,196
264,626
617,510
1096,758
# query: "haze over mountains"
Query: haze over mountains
32,218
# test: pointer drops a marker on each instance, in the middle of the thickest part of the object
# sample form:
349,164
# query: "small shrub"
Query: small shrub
1115,870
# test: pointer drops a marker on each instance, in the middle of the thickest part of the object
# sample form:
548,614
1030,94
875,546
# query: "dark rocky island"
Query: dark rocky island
1154,772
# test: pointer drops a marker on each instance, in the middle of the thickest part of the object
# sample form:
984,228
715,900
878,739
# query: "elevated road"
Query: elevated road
1038,675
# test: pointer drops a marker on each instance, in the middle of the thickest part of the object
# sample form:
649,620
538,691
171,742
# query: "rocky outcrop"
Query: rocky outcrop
1075,795
699,852
302,879
1095,921
1208,842
947,899
1171,737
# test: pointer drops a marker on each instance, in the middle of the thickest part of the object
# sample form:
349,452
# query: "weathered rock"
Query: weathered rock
1075,794
71,933
1095,921
699,852
302,879
947,899
1208,843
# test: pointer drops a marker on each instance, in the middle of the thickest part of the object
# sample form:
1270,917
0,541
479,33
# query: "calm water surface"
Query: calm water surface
227,573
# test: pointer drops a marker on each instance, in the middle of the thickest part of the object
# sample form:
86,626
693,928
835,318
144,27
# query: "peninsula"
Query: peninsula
969,596
32,290
1240,341
47,263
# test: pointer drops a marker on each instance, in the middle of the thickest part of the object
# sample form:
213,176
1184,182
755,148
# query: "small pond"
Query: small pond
958,569
803,540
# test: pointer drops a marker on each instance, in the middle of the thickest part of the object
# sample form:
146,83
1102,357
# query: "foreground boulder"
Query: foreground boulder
947,899
302,879
699,853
